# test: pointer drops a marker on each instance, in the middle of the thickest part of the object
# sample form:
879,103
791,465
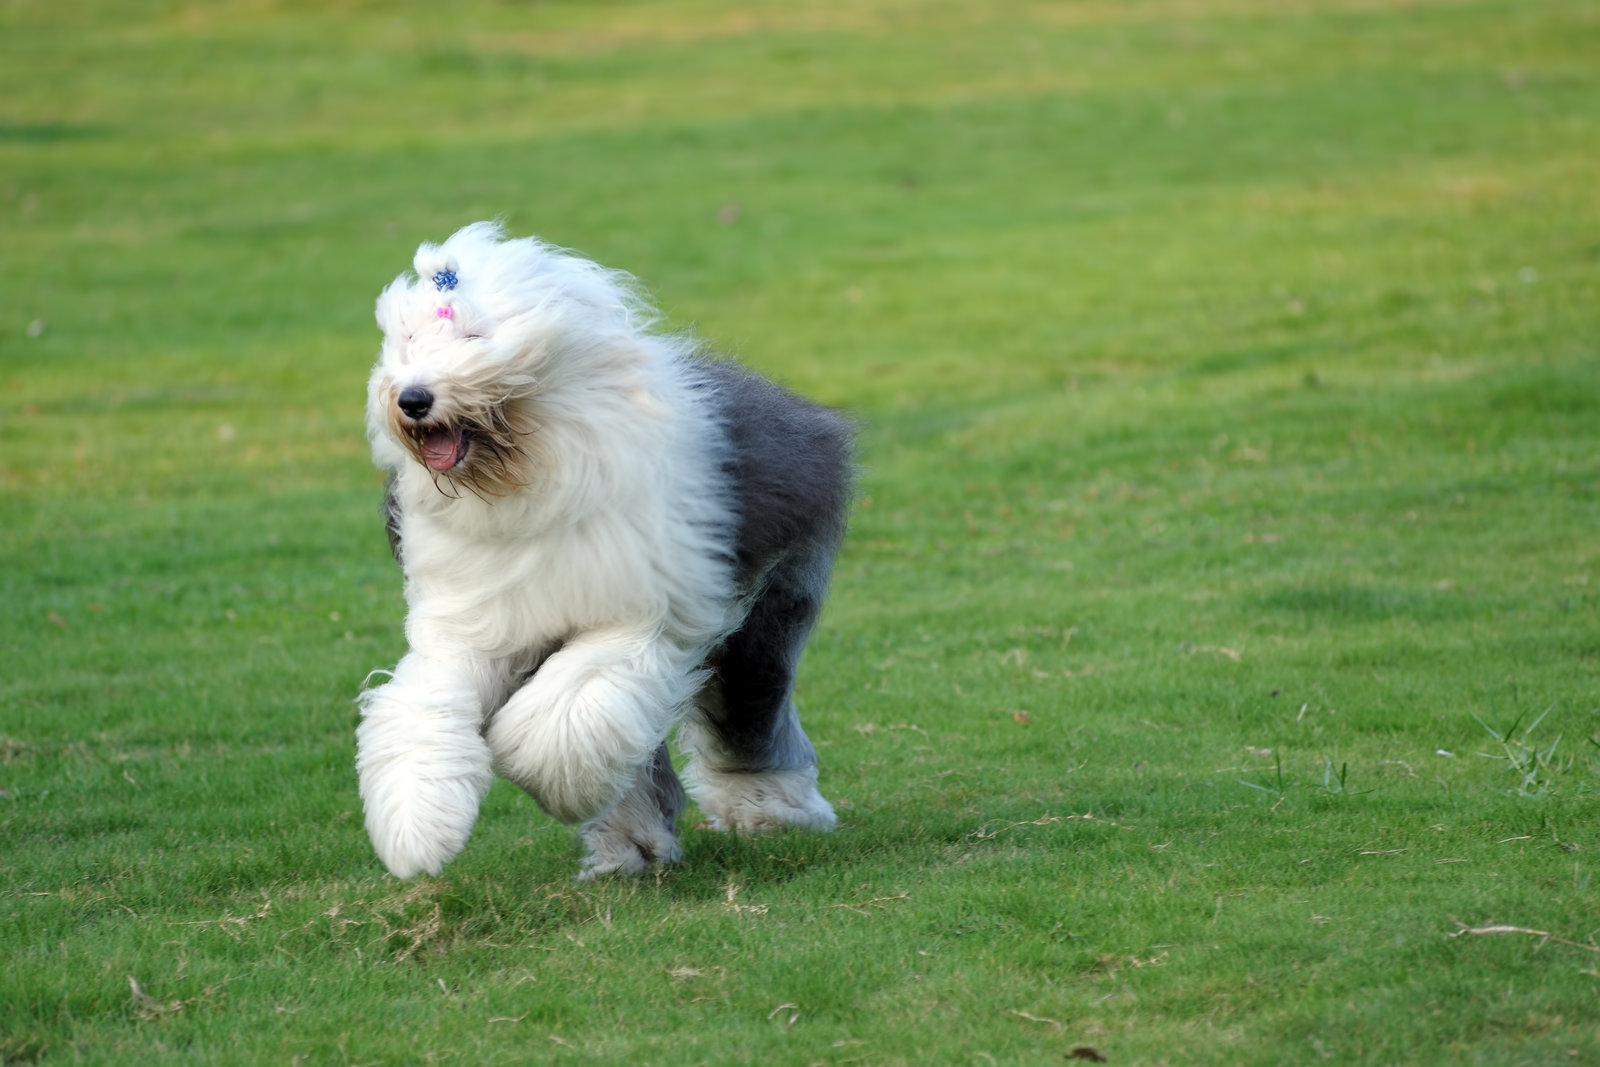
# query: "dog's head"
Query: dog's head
482,346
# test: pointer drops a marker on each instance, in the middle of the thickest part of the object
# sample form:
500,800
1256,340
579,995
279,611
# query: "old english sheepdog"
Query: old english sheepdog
604,534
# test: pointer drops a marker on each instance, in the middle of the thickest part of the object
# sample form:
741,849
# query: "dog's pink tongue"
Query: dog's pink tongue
442,449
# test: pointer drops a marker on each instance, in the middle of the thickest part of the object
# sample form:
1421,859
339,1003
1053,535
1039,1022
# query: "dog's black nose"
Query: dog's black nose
415,401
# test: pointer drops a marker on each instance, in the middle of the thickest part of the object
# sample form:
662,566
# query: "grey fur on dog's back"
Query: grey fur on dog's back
790,465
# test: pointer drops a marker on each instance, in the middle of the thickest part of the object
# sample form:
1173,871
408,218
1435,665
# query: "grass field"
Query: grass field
1211,674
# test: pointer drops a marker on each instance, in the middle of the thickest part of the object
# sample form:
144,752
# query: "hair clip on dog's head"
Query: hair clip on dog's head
444,281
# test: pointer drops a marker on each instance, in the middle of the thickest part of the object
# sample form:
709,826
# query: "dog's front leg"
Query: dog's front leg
578,733
423,765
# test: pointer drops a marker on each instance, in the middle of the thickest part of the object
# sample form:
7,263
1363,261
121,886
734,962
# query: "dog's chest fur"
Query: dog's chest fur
512,577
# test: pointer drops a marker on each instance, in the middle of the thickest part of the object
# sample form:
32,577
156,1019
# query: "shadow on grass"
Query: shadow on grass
1366,603
42,133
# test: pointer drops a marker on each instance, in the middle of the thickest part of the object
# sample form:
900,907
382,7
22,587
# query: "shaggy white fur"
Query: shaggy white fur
594,527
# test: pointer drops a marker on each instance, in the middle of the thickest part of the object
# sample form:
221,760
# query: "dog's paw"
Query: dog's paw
417,827
422,778
625,850
766,800
630,838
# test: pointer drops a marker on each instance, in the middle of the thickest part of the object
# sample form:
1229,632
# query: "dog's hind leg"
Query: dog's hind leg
751,765
640,831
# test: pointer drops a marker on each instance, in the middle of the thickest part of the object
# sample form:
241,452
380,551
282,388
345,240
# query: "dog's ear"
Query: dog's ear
391,301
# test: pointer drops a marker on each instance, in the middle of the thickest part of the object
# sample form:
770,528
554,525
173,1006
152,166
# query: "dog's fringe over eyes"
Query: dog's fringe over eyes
606,536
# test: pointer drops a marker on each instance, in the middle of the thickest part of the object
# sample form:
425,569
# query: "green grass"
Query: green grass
1217,636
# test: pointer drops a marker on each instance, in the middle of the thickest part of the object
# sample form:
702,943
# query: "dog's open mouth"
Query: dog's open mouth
444,448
